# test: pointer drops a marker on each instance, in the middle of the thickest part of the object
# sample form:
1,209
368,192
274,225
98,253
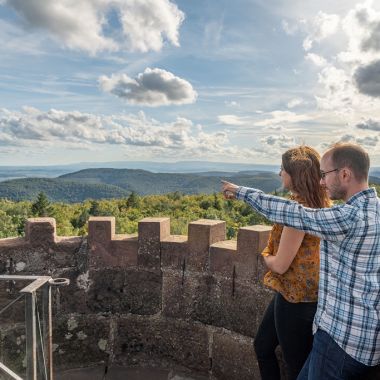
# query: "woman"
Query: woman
292,258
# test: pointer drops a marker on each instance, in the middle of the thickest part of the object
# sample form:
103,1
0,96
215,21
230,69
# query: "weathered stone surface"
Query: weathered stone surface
251,241
101,229
80,340
124,248
214,301
174,252
162,341
202,234
151,232
74,297
223,257
233,357
128,291
106,248
9,292
63,252
40,231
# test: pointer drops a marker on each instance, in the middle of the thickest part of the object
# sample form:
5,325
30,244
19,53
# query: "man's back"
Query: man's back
349,288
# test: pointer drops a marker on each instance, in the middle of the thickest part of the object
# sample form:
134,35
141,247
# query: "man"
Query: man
347,322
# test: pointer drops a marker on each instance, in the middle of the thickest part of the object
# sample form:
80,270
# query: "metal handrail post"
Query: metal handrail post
31,336
47,328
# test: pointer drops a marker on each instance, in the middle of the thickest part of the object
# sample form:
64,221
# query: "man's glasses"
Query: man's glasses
323,174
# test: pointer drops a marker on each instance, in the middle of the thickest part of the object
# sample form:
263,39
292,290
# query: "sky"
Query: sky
160,80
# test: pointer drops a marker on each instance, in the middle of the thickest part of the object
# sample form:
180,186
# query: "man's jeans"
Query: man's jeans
328,361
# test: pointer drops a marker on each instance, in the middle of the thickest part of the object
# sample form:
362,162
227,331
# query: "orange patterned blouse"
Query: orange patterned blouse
300,282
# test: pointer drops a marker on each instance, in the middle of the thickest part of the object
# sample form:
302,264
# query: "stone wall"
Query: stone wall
154,299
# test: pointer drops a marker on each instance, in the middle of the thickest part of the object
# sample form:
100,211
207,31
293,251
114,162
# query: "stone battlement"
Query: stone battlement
191,301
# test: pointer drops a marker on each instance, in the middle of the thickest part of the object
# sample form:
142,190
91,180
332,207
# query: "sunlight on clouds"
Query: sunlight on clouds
349,84
81,25
278,117
323,26
316,59
153,87
145,22
231,120
72,130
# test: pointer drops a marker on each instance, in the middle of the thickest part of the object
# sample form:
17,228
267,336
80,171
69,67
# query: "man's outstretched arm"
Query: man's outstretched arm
327,223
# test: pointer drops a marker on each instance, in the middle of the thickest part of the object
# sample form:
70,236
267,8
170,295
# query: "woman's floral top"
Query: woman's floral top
300,282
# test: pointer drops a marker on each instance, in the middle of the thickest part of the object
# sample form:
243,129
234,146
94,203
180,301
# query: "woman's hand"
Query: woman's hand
229,190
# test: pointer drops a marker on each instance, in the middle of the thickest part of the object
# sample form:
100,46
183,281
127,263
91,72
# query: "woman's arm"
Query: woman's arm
290,243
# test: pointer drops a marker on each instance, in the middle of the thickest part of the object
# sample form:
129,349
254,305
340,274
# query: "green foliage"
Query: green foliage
41,207
182,209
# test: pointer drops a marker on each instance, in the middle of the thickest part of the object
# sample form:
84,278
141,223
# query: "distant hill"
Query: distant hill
117,183
144,182
109,183
58,190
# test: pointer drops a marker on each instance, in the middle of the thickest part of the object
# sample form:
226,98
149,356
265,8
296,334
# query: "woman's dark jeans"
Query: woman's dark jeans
290,326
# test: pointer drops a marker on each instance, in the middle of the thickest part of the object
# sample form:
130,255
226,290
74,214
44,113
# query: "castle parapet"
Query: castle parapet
40,231
108,249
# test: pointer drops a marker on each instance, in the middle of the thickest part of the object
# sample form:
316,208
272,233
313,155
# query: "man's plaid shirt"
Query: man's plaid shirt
349,288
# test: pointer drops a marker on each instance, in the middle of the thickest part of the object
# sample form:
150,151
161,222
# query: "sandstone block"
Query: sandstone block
202,234
223,257
174,252
40,231
162,341
233,357
251,241
151,232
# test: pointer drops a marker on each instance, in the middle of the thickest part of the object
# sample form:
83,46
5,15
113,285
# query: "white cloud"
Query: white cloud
231,120
362,27
323,26
316,59
145,22
153,87
294,102
366,141
275,145
338,90
280,117
81,24
232,103
32,129
289,29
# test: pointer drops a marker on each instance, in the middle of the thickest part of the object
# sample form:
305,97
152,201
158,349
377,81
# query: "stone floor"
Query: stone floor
121,373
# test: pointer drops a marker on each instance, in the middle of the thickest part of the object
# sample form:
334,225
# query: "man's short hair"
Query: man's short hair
352,156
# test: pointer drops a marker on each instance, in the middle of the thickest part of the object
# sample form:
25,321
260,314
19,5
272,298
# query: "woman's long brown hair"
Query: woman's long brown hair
302,164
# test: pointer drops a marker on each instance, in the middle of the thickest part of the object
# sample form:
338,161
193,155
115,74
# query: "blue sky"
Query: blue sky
160,80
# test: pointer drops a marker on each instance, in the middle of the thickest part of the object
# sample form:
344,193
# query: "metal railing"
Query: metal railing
38,323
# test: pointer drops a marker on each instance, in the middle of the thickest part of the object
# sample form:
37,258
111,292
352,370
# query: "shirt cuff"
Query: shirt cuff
240,192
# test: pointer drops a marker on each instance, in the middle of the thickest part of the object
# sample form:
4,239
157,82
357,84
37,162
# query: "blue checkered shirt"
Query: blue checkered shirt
349,288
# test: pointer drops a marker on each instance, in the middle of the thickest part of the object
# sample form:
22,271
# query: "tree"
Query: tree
41,207
133,200
95,209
